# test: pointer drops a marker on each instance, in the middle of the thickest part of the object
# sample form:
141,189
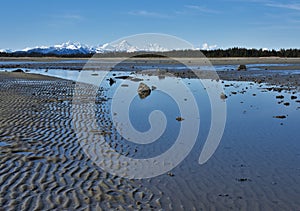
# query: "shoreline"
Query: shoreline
214,61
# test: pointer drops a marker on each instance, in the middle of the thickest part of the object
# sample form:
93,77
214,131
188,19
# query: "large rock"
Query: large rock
242,67
143,90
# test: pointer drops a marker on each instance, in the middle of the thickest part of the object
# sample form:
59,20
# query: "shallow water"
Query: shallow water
256,163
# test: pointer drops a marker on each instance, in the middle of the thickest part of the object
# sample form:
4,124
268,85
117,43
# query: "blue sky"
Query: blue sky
225,23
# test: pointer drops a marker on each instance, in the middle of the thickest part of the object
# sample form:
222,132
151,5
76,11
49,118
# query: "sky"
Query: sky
209,23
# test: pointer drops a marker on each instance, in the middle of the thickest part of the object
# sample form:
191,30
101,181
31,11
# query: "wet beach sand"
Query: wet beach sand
43,166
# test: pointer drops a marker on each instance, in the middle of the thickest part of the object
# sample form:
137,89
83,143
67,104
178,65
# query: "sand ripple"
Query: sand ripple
42,166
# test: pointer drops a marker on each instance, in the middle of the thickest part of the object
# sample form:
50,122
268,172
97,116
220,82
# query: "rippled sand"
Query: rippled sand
42,166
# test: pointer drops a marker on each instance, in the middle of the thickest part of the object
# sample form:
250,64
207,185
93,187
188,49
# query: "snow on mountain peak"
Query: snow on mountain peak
5,51
69,48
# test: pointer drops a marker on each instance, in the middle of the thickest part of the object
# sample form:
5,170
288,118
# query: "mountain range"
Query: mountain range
70,48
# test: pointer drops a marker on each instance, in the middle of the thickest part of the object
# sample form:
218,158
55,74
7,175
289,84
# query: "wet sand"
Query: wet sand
42,165
53,62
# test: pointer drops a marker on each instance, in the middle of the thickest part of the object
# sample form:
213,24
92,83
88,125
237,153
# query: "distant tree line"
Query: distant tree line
231,52
243,52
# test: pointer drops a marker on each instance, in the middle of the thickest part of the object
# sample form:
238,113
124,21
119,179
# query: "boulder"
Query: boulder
143,90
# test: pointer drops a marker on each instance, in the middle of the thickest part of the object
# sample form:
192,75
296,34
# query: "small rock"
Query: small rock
280,97
111,81
280,117
171,174
136,79
243,180
293,97
179,119
122,77
153,88
286,103
18,71
223,96
259,81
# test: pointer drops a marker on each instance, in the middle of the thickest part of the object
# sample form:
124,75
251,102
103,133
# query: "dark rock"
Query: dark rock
18,71
243,180
111,81
179,119
280,97
122,77
280,117
293,97
242,67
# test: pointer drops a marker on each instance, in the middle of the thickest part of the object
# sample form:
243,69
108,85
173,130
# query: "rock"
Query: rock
18,71
243,180
223,96
136,79
111,81
293,97
143,90
179,119
122,77
280,117
242,67
280,97
153,88
171,174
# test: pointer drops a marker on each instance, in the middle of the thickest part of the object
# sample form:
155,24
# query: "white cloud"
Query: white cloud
285,6
206,46
148,14
201,9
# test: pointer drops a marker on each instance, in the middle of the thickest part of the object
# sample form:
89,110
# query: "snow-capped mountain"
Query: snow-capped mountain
125,46
122,46
67,48
70,48
5,51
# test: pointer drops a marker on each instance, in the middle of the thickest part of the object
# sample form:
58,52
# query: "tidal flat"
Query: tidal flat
45,164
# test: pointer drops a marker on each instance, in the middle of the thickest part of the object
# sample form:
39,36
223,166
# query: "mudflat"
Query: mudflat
43,164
